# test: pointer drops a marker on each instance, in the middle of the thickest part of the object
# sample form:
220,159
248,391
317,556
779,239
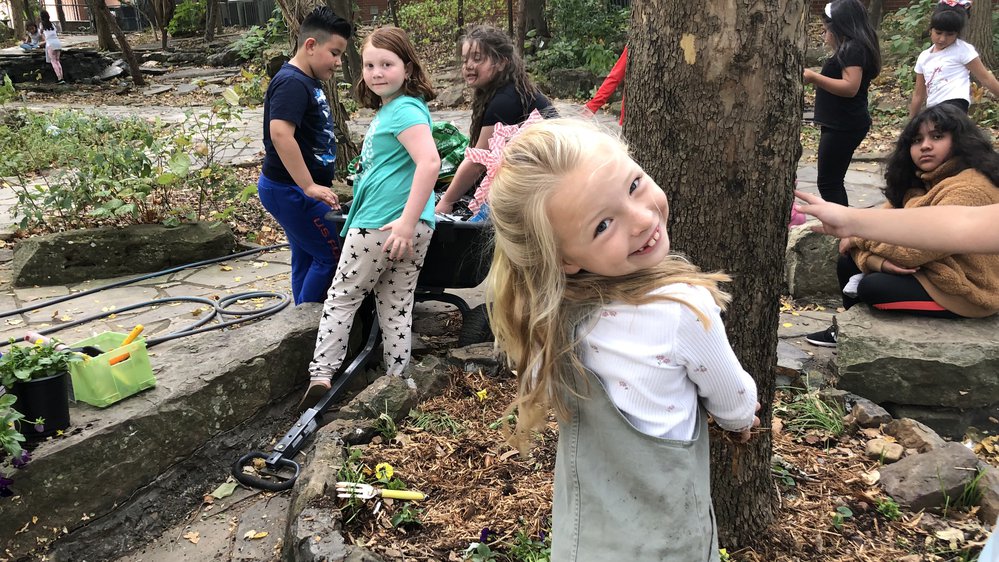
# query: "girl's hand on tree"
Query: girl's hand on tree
745,434
400,243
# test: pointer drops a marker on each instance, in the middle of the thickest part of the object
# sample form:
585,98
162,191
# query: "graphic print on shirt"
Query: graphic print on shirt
326,155
367,151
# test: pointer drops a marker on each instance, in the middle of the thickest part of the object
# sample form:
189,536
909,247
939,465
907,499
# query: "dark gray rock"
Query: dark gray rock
569,83
912,434
69,257
450,97
932,479
477,357
228,57
951,423
810,263
869,414
78,64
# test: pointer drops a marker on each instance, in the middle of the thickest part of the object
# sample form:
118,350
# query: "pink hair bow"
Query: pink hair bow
491,157
957,3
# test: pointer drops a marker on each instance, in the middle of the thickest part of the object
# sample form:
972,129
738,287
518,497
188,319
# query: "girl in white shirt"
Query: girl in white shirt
53,47
586,299
943,72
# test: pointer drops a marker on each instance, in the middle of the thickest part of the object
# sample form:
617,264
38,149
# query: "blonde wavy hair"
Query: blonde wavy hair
534,307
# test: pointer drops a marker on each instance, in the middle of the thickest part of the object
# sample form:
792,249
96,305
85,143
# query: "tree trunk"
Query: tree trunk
29,12
520,37
980,33
294,12
395,12
714,115
875,13
352,66
60,14
104,40
17,19
509,17
103,13
535,10
211,17
164,13
459,29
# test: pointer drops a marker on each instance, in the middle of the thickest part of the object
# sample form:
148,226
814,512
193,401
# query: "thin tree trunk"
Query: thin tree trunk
104,40
211,16
980,33
875,13
714,115
17,18
459,31
521,33
509,17
294,12
60,14
29,12
352,66
393,7
103,13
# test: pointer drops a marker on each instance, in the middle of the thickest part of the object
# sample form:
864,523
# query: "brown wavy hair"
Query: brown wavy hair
395,40
498,47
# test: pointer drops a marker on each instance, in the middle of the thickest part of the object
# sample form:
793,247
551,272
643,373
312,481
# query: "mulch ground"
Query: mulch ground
481,489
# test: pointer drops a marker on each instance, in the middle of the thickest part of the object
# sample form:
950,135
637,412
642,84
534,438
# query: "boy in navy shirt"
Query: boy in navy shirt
299,153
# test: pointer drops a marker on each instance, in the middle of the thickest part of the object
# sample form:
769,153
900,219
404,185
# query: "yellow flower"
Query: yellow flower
383,471
39,342
482,394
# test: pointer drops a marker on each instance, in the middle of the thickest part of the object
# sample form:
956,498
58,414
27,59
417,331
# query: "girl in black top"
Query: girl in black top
504,94
841,92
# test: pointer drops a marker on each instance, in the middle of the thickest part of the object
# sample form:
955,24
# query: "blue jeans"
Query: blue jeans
315,246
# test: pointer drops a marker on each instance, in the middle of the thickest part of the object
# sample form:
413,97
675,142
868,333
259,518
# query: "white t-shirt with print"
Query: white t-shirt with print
657,361
946,73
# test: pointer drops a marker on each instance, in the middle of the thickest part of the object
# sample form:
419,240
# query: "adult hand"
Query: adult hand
835,217
322,193
443,207
845,245
400,242
745,434
889,267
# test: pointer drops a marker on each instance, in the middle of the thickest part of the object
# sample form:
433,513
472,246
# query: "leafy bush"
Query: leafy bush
188,19
432,21
256,40
586,34
905,34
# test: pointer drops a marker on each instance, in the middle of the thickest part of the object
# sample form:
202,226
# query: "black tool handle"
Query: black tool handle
259,483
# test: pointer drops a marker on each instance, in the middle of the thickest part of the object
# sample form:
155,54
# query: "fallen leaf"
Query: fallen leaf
787,325
225,490
225,267
252,535
193,536
951,535
259,463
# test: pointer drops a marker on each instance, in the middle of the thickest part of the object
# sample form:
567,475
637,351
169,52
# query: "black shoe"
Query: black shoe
61,82
825,338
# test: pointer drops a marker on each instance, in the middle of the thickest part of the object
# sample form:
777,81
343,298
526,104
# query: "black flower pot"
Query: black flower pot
46,398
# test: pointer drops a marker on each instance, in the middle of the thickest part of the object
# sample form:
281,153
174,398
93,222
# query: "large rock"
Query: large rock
569,83
81,255
930,480
810,268
77,64
940,372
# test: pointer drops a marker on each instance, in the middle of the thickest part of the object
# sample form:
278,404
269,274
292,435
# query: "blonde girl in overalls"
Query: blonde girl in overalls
623,339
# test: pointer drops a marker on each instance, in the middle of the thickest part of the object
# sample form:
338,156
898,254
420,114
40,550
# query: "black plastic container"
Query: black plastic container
46,398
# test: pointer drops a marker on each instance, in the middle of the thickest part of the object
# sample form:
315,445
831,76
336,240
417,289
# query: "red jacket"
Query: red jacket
610,84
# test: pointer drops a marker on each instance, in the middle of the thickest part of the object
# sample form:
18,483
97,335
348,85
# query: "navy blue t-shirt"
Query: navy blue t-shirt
298,98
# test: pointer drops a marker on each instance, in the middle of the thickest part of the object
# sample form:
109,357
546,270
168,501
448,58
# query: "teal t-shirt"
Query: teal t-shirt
382,187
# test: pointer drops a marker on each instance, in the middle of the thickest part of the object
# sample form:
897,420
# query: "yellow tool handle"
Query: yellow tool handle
403,495
132,335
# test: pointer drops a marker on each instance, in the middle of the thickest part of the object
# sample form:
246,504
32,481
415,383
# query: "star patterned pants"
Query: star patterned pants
365,268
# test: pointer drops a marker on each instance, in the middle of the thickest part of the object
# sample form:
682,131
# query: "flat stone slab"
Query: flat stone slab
207,385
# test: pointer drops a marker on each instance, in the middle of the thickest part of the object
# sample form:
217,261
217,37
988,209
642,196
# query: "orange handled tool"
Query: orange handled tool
128,339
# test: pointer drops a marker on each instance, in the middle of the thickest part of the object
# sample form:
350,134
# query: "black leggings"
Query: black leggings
959,103
835,153
886,291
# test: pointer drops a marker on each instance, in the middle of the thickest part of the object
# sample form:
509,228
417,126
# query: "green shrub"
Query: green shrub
585,34
256,40
188,19
432,21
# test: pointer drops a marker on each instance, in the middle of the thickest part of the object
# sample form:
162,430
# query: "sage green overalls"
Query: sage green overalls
624,495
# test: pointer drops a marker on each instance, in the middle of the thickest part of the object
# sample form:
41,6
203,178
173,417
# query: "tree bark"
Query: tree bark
103,13
211,17
875,13
294,12
104,40
980,33
520,37
17,19
352,65
60,14
714,115
164,13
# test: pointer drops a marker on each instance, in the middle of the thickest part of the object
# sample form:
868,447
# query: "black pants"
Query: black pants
885,291
835,153
959,103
